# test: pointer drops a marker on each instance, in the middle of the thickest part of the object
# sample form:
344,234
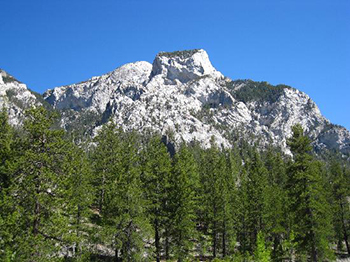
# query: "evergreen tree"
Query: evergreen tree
6,150
122,207
104,161
275,214
37,191
183,201
78,200
231,177
156,165
341,192
262,253
309,206
217,183
250,209
7,212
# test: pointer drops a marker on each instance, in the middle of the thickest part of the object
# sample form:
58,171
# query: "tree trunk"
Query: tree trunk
117,258
275,247
157,239
78,219
167,256
313,248
102,194
224,240
37,218
36,221
214,240
344,229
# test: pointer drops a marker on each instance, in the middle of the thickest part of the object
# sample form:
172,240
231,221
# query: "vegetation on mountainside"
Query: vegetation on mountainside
255,91
181,54
7,78
128,199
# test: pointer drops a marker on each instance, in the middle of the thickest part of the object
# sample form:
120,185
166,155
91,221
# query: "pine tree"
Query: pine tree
6,150
7,212
275,215
262,253
341,192
104,161
183,201
156,168
122,207
217,183
231,177
251,202
309,206
37,191
78,200
210,171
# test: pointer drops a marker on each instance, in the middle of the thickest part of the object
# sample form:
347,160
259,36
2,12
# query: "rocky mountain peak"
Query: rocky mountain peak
182,94
6,77
183,66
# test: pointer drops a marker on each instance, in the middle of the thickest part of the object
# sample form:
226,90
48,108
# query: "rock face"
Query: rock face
183,94
15,97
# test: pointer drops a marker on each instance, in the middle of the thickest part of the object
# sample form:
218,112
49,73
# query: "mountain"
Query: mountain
181,94
15,97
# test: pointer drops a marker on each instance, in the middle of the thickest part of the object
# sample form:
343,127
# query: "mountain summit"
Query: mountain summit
182,94
183,66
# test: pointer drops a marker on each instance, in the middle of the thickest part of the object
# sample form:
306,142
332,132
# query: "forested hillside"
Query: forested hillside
130,197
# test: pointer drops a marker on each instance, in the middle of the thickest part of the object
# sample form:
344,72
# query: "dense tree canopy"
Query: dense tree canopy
124,197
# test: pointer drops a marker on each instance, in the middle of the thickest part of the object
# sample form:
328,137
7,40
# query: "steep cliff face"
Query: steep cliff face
15,97
183,94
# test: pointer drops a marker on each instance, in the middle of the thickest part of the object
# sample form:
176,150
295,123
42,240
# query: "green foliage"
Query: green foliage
182,54
275,215
11,93
79,125
78,190
124,223
7,217
340,181
155,177
308,203
262,253
127,199
6,144
183,198
12,97
7,78
37,200
256,91
217,176
250,204
40,98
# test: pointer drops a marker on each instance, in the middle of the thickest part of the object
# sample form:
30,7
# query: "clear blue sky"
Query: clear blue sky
302,43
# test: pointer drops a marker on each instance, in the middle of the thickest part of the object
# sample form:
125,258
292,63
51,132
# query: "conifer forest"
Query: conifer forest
126,196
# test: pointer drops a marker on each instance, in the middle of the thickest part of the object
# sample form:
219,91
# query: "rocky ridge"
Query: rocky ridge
182,95
15,97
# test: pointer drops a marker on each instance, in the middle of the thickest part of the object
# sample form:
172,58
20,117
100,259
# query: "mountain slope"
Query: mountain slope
15,97
183,94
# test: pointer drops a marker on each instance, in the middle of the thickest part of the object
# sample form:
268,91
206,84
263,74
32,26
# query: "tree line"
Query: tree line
126,197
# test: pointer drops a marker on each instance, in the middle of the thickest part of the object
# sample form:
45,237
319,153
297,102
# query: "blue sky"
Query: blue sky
302,43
